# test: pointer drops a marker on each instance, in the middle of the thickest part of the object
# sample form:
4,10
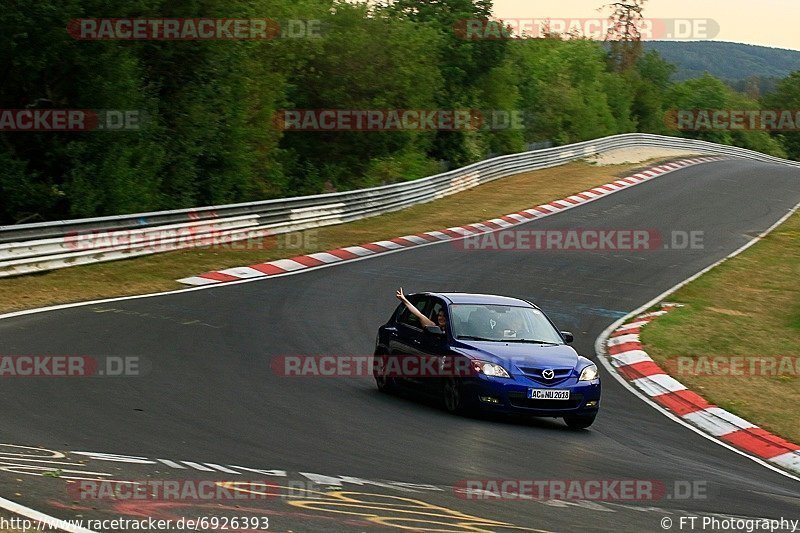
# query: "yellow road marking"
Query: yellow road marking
413,514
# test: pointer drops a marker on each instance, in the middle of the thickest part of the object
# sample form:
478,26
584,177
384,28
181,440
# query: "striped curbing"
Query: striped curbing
310,261
629,359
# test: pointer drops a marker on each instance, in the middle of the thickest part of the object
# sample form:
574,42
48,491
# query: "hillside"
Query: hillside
732,62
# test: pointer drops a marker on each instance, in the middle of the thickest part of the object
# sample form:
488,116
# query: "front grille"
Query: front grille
519,399
535,373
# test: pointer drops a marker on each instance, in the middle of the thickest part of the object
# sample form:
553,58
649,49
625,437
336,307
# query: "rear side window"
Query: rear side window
407,318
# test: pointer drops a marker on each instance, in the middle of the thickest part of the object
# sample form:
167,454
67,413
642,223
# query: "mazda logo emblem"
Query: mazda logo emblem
548,374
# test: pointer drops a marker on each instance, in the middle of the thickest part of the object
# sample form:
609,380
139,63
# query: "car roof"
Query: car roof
482,299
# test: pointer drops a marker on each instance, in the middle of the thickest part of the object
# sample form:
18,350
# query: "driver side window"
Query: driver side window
436,307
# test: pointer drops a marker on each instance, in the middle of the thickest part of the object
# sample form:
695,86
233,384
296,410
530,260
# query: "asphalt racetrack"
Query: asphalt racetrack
210,406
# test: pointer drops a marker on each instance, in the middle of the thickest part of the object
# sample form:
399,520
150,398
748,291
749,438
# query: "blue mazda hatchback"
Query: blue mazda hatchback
494,353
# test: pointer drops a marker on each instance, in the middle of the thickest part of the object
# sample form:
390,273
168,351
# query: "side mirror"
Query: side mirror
568,337
434,330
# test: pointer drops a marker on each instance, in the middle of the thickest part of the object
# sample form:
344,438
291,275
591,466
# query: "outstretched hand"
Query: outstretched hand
399,294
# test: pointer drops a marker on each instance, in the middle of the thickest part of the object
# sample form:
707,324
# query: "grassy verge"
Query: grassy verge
747,307
157,272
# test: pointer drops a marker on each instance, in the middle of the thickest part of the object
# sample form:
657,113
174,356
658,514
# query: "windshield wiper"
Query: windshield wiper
471,338
532,341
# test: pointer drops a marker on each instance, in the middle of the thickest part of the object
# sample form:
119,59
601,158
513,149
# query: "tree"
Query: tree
563,90
463,64
624,36
62,175
364,64
787,97
709,93
650,82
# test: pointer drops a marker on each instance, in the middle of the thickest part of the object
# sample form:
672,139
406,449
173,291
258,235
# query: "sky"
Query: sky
774,23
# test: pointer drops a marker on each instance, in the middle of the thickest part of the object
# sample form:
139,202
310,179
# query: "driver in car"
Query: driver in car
513,326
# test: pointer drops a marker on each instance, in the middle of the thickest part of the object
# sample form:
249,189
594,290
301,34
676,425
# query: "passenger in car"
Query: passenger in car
441,318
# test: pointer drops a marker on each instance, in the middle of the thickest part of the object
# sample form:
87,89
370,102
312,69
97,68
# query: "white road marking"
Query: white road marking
790,461
630,357
198,466
325,257
439,235
197,281
359,251
634,325
623,339
501,222
482,227
415,239
287,264
242,272
463,231
659,384
276,473
389,244
221,468
717,421
116,458
171,464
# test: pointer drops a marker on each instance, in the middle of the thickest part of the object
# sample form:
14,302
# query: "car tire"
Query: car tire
579,422
454,399
385,384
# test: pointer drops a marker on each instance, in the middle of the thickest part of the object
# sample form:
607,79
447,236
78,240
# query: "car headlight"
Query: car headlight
490,369
589,373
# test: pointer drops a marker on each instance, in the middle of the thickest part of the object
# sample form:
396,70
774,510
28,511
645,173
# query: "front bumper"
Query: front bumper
511,396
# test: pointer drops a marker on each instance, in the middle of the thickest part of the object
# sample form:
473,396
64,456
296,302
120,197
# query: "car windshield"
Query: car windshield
502,323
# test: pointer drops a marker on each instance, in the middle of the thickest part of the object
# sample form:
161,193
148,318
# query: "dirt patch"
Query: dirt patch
636,155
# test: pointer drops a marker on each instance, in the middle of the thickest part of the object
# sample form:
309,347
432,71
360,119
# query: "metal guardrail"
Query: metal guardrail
38,247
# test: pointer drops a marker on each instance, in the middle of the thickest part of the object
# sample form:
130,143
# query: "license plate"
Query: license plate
548,394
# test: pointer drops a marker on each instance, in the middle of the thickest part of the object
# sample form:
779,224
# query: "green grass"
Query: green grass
748,306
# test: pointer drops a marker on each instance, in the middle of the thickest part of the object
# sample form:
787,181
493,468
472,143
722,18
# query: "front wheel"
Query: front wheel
579,422
455,400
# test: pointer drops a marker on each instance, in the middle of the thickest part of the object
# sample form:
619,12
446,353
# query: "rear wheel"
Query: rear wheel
385,384
579,422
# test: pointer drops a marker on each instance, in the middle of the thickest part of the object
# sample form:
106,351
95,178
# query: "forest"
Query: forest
211,137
